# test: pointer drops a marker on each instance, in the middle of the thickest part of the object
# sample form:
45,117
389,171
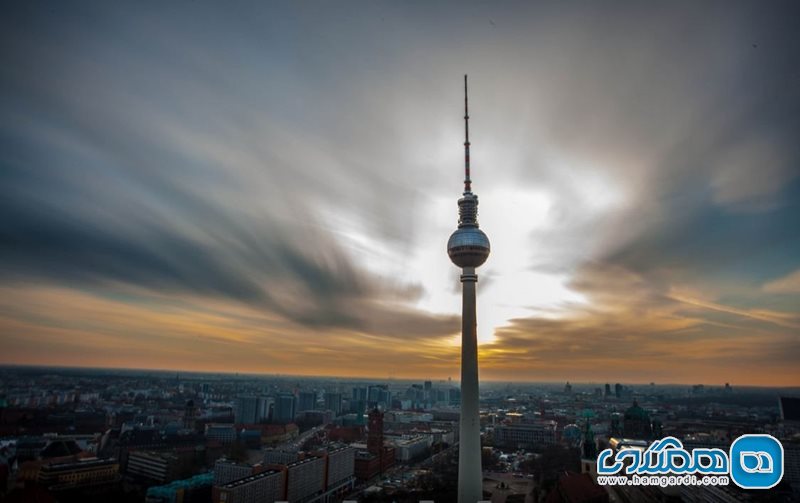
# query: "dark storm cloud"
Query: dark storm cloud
105,181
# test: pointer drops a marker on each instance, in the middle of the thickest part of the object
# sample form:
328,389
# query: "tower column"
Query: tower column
470,475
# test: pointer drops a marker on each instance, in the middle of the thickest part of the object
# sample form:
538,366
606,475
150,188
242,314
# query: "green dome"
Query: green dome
636,412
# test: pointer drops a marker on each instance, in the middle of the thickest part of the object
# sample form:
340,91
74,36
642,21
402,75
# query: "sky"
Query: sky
268,187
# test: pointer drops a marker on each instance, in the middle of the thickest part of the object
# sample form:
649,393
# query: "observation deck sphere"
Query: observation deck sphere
468,247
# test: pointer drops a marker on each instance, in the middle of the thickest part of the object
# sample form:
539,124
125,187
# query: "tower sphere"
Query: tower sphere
468,247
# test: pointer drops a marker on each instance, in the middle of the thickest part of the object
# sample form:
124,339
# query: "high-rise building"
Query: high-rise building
307,400
227,471
189,413
375,434
333,403
251,409
358,403
358,406
360,394
468,248
285,405
305,478
454,396
341,466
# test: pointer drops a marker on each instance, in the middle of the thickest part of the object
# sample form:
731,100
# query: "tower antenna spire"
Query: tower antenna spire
467,181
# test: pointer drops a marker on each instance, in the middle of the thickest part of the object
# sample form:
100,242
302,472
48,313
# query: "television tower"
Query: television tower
468,248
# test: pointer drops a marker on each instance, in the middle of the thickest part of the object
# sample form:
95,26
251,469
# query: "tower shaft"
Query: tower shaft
470,474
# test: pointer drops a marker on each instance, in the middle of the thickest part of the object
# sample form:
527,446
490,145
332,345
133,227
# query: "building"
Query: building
222,432
368,465
251,409
525,435
285,405
791,463
227,471
314,417
636,423
280,456
266,486
340,466
576,488
377,457
305,479
307,400
194,489
375,434
333,403
360,394
155,466
81,472
272,434
409,448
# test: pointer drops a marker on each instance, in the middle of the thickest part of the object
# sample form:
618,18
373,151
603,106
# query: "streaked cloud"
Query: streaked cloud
273,185
789,284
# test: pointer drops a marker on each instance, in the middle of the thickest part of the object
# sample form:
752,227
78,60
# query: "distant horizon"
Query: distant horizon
389,379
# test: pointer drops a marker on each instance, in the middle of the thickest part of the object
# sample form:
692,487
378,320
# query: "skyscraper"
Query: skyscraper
468,248
307,401
251,409
285,404
333,402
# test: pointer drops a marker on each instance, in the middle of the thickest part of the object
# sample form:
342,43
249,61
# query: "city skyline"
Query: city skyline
269,189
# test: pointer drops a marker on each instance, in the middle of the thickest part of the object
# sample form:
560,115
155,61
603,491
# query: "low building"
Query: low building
525,435
368,465
194,489
222,432
155,466
84,472
260,487
409,448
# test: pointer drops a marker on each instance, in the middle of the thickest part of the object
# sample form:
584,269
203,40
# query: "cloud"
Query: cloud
750,174
789,284
288,162
632,329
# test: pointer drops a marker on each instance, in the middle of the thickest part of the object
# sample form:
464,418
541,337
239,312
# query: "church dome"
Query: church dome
636,412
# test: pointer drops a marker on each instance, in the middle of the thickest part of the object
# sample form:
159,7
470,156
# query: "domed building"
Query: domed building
572,435
636,423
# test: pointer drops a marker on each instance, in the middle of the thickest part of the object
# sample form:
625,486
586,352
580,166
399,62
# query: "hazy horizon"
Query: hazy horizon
281,375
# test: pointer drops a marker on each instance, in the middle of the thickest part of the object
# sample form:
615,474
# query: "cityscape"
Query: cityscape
128,435
225,232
